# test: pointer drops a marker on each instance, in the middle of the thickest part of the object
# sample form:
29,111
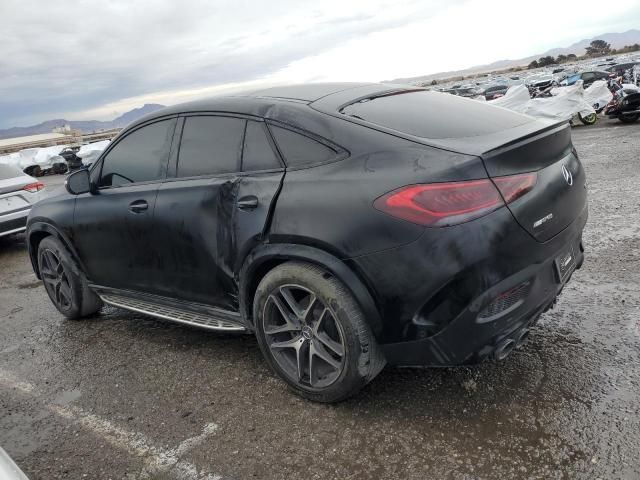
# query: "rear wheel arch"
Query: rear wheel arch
264,258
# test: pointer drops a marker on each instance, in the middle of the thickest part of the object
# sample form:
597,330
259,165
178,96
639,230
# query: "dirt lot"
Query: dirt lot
125,396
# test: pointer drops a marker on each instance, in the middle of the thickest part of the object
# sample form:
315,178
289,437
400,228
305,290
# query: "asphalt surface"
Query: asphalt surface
125,396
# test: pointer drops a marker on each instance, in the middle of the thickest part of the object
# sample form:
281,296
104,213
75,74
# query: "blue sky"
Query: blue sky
81,59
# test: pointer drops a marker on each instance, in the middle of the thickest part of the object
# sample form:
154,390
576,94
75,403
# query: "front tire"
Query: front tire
313,334
64,282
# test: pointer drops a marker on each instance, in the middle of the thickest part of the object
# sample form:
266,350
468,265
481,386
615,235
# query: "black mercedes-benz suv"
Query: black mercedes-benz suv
347,226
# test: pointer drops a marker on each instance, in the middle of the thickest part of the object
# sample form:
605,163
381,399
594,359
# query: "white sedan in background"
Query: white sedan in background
18,193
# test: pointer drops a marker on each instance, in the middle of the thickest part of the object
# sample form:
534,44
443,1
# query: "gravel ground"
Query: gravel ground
124,396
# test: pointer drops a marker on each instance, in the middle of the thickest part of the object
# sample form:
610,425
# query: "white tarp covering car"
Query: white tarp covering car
47,158
43,158
564,104
597,95
89,153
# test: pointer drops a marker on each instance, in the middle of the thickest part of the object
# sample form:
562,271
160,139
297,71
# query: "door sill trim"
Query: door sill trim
196,315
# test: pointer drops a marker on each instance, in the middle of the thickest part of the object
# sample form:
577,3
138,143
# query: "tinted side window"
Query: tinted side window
139,157
300,150
210,145
257,153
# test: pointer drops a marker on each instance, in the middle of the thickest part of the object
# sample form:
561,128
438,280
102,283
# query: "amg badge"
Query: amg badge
544,219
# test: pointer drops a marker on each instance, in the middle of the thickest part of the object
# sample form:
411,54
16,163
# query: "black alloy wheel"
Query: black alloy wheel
56,280
303,335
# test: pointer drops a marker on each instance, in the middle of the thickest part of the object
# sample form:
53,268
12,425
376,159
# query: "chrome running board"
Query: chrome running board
218,320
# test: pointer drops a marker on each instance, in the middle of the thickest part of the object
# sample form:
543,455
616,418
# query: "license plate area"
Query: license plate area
565,263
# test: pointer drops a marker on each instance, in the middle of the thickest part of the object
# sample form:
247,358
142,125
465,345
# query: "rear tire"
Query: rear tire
323,348
64,282
629,118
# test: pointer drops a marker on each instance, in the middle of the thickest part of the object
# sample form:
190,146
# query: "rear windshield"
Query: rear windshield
434,115
9,171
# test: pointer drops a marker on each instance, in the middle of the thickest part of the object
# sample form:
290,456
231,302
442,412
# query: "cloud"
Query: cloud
82,57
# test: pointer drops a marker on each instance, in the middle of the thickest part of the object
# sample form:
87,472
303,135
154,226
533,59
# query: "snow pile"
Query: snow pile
90,153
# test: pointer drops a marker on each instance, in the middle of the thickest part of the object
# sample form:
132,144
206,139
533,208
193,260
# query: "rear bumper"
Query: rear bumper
14,222
436,292
470,338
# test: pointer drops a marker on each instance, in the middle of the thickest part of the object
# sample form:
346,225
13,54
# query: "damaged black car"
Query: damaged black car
347,226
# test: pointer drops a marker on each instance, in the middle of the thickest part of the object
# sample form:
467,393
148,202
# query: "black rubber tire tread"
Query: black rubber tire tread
364,359
85,302
629,118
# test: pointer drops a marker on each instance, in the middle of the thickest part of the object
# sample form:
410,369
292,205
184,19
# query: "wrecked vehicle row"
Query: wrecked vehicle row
58,159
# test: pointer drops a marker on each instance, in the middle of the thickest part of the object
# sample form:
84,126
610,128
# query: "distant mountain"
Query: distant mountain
83,125
617,40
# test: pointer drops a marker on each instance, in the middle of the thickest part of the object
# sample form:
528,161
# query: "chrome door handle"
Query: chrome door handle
248,203
138,206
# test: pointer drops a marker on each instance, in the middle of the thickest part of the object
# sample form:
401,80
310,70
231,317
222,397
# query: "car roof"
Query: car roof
308,92
276,102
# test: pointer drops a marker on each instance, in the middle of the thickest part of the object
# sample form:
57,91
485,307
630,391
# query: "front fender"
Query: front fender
40,226
281,252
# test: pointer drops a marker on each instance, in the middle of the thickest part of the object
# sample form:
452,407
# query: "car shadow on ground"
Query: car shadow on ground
537,371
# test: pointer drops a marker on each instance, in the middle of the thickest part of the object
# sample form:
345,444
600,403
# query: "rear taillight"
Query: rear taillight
515,186
34,187
452,203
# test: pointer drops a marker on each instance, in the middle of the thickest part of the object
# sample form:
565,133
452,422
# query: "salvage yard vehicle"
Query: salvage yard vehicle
625,104
495,91
345,225
620,68
73,161
18,193
8,468
587,78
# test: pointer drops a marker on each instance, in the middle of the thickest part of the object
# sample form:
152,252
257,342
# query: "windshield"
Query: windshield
434,115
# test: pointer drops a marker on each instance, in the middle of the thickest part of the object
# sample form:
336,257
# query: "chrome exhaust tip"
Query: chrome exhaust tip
524,335
504,348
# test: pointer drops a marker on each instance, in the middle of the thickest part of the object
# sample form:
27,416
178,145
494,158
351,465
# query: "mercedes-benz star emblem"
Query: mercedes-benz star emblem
567,175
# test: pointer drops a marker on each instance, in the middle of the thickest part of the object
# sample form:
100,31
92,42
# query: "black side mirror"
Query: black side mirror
79,182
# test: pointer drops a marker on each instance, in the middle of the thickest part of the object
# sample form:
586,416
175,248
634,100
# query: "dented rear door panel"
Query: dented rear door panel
201,234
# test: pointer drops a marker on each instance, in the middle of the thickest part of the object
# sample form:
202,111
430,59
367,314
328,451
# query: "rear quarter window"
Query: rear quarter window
299,150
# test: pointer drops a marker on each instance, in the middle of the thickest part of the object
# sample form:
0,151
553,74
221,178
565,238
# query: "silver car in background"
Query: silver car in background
18,193
8,469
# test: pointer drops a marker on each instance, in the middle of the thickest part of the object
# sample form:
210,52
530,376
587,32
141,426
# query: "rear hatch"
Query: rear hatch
560,193
509,143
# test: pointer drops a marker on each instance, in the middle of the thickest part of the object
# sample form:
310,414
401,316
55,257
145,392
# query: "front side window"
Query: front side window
210,146
299,150
139,157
